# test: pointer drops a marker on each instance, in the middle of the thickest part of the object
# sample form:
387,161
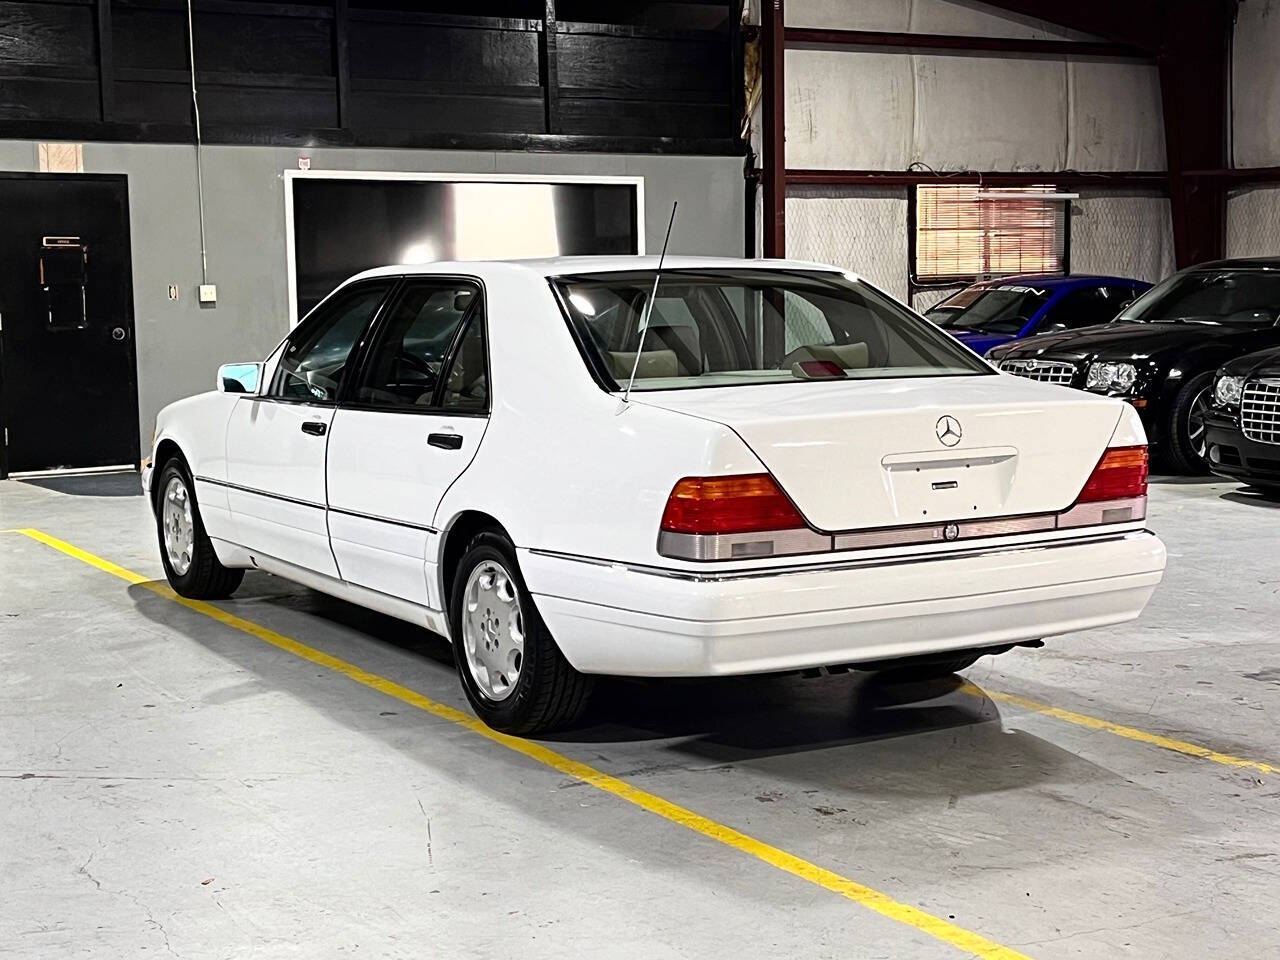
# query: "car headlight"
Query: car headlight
1227,391
1108,377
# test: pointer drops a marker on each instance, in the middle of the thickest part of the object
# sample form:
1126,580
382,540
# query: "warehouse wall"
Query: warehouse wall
1253,222
970,113
180,344
1255,85
855,110
1253,214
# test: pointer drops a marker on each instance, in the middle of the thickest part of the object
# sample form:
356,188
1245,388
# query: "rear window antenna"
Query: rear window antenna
648,307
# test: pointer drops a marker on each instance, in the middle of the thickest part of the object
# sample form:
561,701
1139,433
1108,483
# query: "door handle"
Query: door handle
445,441
315,428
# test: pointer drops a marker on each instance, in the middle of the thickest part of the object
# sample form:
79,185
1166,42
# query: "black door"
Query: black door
68,389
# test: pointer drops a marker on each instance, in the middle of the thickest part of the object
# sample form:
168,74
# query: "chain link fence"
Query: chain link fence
863,229
1122,234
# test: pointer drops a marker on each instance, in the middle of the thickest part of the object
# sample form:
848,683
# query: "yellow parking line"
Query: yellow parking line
1120,730
936,927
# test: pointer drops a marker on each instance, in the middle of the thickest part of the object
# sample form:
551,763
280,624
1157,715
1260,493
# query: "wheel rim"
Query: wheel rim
1196,415
179,530
492,630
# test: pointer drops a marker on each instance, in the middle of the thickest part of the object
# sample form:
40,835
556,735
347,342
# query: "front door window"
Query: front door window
314,363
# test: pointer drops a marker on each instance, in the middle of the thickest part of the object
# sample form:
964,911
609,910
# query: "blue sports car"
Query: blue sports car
992,312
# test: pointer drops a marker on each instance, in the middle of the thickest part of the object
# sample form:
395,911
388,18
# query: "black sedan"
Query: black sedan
1243,425
1160,354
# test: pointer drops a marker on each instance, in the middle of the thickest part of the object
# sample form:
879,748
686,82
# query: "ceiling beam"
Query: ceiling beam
921,42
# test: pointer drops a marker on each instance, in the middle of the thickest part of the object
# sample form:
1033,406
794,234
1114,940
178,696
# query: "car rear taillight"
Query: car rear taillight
1116,491
718,505
734,518
1122,472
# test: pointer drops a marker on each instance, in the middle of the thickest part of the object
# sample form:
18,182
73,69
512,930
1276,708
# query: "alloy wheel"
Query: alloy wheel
177,525
492,630
1196,416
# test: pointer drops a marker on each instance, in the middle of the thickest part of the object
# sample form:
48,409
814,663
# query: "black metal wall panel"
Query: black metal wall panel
46,33
490,74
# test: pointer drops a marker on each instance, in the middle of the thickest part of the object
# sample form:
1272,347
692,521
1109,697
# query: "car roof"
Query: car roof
1054,281
569,266
1240,263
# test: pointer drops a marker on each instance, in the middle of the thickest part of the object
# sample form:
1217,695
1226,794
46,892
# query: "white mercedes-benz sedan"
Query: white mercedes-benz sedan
772,467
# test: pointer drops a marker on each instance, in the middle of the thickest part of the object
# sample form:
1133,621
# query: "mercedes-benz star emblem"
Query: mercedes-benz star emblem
949,432
950,531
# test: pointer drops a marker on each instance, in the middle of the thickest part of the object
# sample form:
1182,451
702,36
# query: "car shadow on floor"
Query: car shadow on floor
829,733
1253,497
122,484
1184,480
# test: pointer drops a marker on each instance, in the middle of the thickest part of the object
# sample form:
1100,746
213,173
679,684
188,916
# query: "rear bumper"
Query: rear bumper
613,619
1239,458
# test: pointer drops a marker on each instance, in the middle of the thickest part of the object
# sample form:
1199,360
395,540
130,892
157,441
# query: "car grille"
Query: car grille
1260,411
1046,371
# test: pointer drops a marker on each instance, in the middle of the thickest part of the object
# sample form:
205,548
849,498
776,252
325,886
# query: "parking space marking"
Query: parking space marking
865,896
1120,730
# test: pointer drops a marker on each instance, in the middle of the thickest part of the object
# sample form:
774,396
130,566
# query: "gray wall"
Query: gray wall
180,344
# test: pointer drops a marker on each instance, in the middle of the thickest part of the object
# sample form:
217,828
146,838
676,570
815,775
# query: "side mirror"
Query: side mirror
239,377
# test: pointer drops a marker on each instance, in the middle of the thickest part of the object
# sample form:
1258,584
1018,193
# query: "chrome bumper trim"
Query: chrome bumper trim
748,546
698,576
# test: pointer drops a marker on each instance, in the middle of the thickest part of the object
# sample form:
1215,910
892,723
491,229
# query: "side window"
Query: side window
1083,308
404,366
466,388
314,362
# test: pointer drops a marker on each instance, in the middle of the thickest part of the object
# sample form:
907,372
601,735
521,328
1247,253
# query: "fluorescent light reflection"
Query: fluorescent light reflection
423,252
499,221
583,304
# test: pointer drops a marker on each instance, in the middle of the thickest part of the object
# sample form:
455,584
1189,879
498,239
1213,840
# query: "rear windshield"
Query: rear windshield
1226,296
1003,309
734,327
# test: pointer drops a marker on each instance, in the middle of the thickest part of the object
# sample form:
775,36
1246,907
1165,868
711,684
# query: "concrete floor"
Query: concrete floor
169,785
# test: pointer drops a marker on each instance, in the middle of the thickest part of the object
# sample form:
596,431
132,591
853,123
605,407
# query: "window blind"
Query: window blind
960,236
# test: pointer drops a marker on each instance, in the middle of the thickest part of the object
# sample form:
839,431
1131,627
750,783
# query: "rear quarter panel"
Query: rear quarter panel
564,465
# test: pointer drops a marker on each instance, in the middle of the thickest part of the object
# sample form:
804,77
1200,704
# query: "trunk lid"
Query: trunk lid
857,454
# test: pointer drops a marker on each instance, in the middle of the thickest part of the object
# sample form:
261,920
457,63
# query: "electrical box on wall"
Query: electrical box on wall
208,293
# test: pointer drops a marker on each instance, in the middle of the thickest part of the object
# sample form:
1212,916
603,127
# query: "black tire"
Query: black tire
204,578
548,693
1186,445
928,670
